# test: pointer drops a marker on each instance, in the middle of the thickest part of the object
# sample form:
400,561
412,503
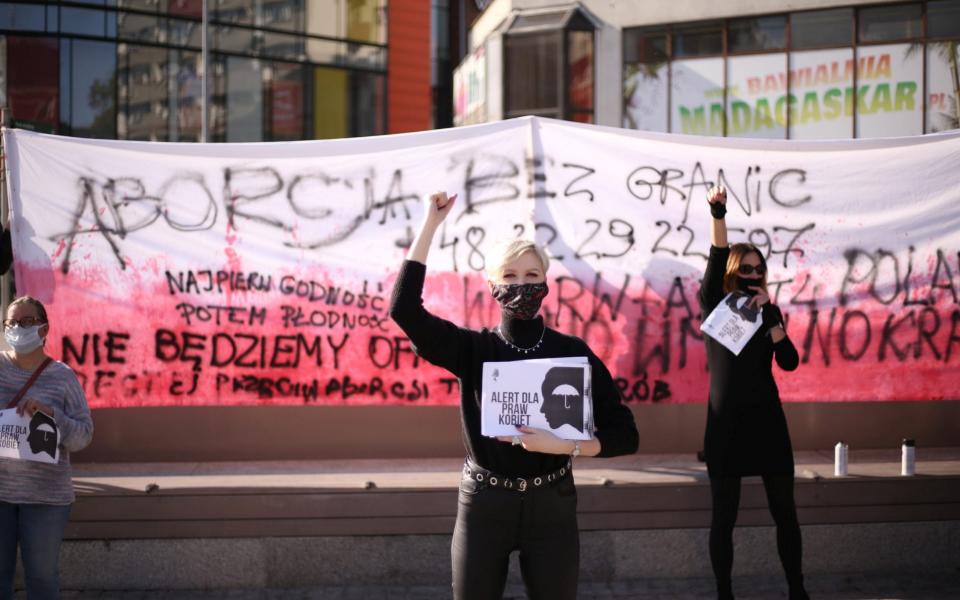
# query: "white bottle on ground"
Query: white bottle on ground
908,464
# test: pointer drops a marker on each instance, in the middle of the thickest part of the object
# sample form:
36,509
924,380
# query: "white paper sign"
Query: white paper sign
553,394
26,438
733,322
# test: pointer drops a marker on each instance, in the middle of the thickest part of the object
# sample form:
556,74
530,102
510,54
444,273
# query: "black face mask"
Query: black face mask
520,300
744,285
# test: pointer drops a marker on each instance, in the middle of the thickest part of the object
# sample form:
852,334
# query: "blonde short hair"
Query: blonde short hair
505,252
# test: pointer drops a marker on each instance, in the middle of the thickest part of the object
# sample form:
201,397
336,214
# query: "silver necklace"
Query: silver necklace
518,348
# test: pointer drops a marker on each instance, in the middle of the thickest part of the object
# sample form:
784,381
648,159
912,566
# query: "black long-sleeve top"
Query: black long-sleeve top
746,431
6,250
740,382
463,352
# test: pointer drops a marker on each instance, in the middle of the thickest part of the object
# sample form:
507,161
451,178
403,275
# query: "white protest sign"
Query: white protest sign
733,322
552,394
34,438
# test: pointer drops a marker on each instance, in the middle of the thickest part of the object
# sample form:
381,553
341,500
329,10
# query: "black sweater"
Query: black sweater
463,352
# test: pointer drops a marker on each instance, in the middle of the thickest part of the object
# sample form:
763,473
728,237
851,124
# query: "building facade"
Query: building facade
279,69
787,69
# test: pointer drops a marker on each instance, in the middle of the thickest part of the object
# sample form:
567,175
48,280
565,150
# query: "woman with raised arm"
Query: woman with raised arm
746,429
516,493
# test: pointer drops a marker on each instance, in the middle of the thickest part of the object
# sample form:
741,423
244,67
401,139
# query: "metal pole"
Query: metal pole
204,56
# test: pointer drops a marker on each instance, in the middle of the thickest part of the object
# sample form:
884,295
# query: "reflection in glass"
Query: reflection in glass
32,81
244,100
642,46
83,21
758,33
137,27
285,92
21,17
368,101
330,102
93,73
702,39
889,23
143,93
360,20
943,18
533,74
821,28
580,70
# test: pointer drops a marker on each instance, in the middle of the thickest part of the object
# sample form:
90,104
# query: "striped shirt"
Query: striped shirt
30,482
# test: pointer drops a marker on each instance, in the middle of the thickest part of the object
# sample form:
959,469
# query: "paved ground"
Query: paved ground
824,587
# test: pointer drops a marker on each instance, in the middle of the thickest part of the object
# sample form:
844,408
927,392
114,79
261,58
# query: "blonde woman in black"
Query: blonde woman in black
517,492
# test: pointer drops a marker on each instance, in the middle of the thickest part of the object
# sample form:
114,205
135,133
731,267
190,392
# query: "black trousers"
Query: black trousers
493,522
726,504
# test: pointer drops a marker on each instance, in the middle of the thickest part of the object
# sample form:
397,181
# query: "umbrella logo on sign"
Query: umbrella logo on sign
562,391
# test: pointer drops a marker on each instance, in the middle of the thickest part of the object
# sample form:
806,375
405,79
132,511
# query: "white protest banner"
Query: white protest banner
224,274
34,438
552,394
733,322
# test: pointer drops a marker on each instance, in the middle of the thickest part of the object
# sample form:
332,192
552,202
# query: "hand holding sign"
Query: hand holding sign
31,406
539,440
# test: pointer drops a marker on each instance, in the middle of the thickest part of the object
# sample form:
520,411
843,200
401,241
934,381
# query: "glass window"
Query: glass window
696,88
232,11
186,104
143,92
821,94
889,90
185,33
330,102
943,86
285,89
645,96
32,82
237,39
642,46
93,67
821,28
137,27
943,18
364,22
244,96
53,19
360,20
184,8
66,54
369,95
580,70
757,100
21,17
889,23
533,74
758,33
703,39
83,21
144,5
283,45
282,14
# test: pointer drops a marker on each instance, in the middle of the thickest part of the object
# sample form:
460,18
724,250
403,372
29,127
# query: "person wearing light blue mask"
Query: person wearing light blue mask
36,497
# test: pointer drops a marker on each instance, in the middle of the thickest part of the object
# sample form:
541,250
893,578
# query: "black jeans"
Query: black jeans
493,522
